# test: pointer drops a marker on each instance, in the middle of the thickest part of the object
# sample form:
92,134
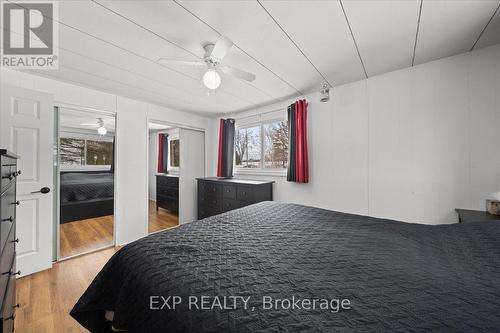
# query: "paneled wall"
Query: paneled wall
409,145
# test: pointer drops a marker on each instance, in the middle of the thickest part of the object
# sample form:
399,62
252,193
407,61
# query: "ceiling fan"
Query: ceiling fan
214,54
101,130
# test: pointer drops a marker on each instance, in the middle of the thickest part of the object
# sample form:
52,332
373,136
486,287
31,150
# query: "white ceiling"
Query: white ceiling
292,46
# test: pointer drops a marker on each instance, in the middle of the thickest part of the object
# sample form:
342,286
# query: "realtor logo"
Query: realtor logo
29,35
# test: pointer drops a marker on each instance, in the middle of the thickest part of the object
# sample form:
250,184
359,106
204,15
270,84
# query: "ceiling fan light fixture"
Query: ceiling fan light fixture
212,79
102,130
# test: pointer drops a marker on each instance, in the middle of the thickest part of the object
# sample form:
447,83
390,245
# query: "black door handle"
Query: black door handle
43,190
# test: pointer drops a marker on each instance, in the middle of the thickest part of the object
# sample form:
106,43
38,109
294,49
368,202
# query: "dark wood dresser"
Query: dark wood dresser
219,195
8,240
167,193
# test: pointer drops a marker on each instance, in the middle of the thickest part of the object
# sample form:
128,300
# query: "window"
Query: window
247,145
276,145
174,153
263,146
82,152
72,151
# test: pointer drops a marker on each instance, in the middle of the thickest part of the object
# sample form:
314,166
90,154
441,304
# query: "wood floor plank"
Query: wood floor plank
46,297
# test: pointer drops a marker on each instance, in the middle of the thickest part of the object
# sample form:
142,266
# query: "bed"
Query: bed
397,276
85,195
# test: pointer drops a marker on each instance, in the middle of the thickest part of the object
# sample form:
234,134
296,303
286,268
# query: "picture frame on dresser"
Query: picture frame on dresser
8,240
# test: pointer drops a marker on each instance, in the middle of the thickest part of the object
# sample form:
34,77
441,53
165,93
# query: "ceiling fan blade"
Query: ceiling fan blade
240,74
181,62
221,48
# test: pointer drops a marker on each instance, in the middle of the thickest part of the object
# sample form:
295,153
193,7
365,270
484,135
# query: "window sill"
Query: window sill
259,172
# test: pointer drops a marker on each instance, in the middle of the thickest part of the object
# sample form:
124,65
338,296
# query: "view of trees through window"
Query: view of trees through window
262,146
81,152
174,153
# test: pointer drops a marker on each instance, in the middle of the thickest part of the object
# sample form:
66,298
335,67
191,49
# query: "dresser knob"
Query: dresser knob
15,240
17,203
17,273
16,306
10,219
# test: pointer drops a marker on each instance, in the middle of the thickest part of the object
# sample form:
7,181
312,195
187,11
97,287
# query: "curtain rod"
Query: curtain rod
261,113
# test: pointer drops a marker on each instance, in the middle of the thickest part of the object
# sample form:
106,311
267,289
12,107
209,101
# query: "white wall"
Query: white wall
409,145
131,142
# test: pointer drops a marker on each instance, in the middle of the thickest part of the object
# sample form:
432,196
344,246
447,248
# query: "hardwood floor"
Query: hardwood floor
161,219
87,235
46,297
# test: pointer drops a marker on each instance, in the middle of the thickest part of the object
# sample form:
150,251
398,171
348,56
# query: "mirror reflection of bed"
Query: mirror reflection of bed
86,181
164,162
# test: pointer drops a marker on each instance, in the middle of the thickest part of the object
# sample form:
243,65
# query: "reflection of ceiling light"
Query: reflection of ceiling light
102,130
211,79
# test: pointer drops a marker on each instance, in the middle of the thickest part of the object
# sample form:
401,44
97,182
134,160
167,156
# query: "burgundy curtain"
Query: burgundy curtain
298,162
162,153
226,148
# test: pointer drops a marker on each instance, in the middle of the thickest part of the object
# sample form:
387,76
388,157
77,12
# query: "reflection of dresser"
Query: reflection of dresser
167,193
8,240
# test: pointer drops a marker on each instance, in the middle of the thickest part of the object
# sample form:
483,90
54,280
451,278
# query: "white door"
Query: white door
26,126
192,166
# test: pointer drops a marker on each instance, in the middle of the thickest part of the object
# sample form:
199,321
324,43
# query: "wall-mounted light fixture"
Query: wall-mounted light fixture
325,93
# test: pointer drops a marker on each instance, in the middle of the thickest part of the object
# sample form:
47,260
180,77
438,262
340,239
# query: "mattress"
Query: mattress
396,276
81,186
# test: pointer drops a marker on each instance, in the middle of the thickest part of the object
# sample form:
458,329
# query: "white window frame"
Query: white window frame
261,171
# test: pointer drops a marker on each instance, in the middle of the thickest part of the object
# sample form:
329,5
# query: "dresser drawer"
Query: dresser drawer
172,204
7,262
168,191
210,201
167,181
209,188
8,171
229,191
207,211
8,215
9,306
245,194
230,204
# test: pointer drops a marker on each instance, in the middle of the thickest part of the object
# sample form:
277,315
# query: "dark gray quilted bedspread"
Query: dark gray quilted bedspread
80,186
398,276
